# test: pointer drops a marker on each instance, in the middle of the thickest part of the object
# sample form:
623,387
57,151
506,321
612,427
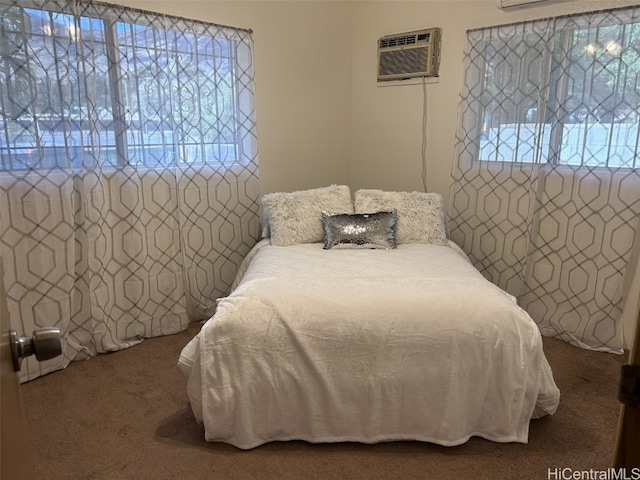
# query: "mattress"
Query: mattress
366,345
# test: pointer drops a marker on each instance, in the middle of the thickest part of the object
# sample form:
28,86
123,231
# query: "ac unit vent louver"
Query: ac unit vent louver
397,41
407,55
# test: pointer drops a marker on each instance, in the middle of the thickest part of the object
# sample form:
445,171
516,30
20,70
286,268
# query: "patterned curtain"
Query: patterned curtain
545,196
128,171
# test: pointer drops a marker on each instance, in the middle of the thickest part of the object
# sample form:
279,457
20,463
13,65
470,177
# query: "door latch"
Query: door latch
44,344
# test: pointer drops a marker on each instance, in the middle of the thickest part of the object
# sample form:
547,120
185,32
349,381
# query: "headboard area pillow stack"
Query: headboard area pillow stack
329,215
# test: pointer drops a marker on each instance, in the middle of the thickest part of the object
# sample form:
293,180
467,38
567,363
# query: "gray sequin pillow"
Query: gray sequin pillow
360,230
296,217
421,216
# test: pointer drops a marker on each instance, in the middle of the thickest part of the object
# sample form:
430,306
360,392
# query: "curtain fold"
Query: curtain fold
545,196
128,171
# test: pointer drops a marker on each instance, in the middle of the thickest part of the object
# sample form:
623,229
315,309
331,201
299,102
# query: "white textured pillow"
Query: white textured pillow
420,215
296,217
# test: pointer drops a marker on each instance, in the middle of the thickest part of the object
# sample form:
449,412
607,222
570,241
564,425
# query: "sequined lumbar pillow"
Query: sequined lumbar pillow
359,230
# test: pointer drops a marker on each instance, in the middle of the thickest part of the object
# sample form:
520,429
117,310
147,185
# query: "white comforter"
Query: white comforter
367,346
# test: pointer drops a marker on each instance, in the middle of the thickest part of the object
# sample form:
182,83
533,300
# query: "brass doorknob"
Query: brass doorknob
44,344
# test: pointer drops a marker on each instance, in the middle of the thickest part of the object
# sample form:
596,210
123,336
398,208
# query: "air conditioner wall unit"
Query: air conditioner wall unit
409,55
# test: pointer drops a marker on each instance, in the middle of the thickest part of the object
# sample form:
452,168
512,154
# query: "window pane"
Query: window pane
179,96
56,87
511,128
600,125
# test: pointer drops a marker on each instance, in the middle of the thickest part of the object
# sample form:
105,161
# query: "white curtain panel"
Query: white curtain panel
545,195
128,171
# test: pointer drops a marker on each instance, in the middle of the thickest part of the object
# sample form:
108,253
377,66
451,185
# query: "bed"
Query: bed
380,341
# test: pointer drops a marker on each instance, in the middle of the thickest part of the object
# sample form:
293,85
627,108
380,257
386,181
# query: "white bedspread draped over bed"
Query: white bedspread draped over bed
367,346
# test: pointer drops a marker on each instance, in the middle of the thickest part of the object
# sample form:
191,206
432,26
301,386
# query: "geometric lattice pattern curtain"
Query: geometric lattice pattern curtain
545,194
128,171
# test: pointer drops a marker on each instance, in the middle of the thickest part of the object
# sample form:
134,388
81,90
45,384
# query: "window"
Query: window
544,193
567,95
96,88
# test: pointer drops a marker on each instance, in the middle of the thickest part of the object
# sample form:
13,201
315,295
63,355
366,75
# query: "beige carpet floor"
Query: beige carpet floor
125,415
